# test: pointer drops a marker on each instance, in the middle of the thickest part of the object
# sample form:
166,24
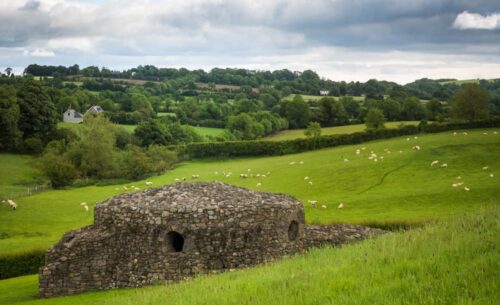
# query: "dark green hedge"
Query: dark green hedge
272,148
21,264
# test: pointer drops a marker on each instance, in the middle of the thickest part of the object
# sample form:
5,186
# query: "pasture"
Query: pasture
315,98
454,261
18,176
401,188
292,134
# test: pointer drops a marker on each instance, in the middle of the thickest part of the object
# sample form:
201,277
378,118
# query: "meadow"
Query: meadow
18,176
400,189
315,98
335,130
204,131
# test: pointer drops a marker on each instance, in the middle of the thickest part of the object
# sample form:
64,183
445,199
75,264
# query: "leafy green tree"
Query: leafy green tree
136,163
10,135
375,119
56,166
471,103
296,111
391,109
152,132
140,103
332,112
313,130
413,109
245,127
434,109
38,117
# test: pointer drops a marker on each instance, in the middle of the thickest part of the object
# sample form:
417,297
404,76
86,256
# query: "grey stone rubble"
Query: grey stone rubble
176,231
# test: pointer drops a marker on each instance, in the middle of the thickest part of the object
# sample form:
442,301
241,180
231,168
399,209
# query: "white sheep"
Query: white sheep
492,175
416,147
263,176
177,179
125,187
301,162
466,189
485,168
148,183
459,177
291,163
464,133
306,178
494,132
407,139
346,160
323,206
86,208
259,184
455,133
12,204
363,148
341,206
358,151
381,157
243,176
485,133
312,202
216,173
444,165
310,183
195,176
375,160
435,162
415,137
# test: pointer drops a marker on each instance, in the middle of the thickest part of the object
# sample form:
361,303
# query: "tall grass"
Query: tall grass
454,261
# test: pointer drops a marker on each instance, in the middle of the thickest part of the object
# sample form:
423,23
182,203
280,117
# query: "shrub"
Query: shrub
21,264
33,145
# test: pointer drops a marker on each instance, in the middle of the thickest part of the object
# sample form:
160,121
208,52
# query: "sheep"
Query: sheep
346,160
323,206
435,162
136,188
83,203
148,183
312,202
263,176
416,147
375,160
464,133
455,133
177,179
184,178
12,204
306,178
216,173
291,163
259,184
492,175
125,187
195,176
258,175
400,151
457,184
459,177
310,183
268,173
494,132
381,157
358,151
86,208
444,165
341,206
301,162
244,176
485,133
363,148
466,189
485,168
407,139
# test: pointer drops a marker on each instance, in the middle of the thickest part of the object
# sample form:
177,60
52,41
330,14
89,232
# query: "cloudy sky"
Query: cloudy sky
397,40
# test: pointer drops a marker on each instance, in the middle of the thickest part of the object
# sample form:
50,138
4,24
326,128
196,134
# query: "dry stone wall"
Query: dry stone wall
177,231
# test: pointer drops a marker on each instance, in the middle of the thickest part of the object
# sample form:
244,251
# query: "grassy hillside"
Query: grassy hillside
17,176
450,262
299,133
401,188
318,97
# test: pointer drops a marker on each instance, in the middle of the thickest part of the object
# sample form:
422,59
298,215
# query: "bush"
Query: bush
33,145
21,264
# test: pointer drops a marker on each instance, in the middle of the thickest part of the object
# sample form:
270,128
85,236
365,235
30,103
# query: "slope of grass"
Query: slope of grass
208,131
17,175
318,97
326,131
402,188
451,262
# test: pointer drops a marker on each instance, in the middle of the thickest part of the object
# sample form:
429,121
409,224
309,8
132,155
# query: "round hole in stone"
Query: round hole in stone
293,230
175,241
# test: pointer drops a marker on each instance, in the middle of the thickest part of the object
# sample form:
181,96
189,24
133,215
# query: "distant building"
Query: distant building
72,116
94,110
324,92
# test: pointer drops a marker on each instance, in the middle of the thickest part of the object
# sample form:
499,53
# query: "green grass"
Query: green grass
17,176
401,189
299,133
208,131
307,97
455,261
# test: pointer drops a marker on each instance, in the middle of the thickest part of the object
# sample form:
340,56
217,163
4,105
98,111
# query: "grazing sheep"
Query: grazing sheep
177,179
407,139
244,176
195,176
263,176
125,187
381,157
416,147
341,206
258,175
216,173
301,162
457,184
83,203
259,184
323,206
268,173
444,165
249,170
86,208
310,183
459,177
492,175
363,148
184,179
435,162
148,183
358,151
400,151
292,163
464,133
485,133
466,189
415,137
485,168
12,204
455,133
312,202
306,178
346,160
494,132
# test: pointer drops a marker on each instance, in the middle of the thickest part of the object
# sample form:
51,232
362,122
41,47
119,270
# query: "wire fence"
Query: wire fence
11,192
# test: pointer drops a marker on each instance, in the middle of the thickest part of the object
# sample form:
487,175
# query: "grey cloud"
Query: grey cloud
31,5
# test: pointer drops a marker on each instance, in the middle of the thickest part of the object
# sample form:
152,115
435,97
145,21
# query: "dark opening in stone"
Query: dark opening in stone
293,230
175,241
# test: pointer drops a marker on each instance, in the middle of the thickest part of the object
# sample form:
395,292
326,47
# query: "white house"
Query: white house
324,92
72,116
94,110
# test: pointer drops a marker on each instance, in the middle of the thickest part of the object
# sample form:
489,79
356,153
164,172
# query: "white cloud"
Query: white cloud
466,21
39,53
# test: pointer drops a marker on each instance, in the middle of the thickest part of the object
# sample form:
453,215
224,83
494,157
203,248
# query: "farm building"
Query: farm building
324,92
176,231
94,110
72,116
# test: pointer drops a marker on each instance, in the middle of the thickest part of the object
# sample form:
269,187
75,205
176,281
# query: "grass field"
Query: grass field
455,261
318,97
17,175
325,131
400,189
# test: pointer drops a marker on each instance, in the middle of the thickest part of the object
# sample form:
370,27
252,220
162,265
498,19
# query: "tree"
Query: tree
152,132
297,112
38,117
413,109
245,127
471,103
56,166
375,119
10,135
8,71
434,109
391,109
313,130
